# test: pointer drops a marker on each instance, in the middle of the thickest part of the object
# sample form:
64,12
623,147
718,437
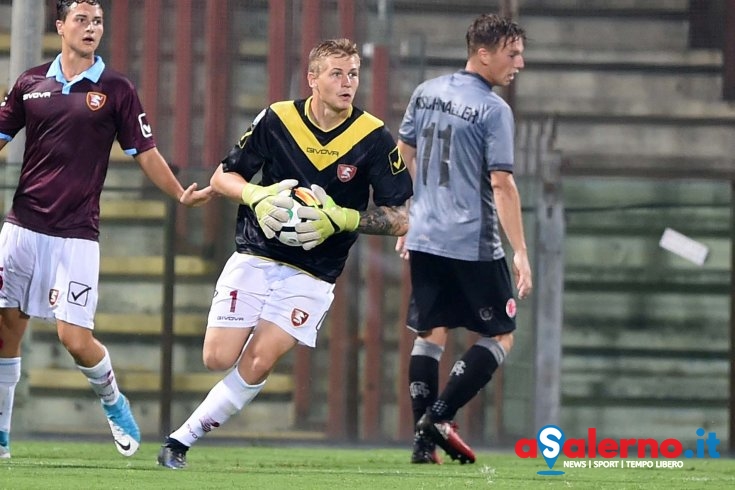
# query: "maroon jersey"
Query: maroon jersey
70,129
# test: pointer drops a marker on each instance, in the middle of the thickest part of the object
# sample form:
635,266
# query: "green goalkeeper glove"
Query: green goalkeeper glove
271,209
324,221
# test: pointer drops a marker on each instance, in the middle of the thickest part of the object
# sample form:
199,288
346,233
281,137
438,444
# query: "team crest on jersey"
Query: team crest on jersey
298,317
53,296
397,164
510,308
486,313
96,100
345,172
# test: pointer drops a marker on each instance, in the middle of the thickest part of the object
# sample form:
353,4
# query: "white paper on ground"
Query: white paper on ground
683,246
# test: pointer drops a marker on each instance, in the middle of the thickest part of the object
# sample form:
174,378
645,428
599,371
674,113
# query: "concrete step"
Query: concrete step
131,226
613,28
642,344
628,8
666,60
634,308
126,294
152,266
588,329
114,210
50,43
643,253
146,381
694,95
607,33
262,420
6,10
690,197
636,137
572,59
721,168
634,422
47,352
671,388
140,324
651,280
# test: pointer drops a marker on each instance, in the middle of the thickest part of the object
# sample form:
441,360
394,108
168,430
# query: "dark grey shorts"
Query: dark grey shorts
459,293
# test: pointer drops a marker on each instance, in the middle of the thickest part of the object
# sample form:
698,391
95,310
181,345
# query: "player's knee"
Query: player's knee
76,342
11,332
255,368
217,360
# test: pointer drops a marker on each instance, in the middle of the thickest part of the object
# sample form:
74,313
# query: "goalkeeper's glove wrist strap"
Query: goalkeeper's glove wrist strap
352,219
249,194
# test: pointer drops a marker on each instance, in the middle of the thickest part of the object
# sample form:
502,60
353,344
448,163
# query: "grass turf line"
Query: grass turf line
64,465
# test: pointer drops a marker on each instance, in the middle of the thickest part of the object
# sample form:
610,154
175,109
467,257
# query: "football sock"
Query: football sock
423,376
469,375
227,398
9,377
102,380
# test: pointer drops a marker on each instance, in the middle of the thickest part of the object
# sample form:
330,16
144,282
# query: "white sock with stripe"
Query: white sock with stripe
228,397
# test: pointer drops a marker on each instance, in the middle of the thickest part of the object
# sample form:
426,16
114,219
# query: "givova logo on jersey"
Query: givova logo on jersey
37,95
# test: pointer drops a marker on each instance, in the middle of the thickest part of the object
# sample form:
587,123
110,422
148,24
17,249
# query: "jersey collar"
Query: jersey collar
307,113
93,73
477,75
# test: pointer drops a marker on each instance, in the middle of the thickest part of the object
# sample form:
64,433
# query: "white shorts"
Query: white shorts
251,288
49,277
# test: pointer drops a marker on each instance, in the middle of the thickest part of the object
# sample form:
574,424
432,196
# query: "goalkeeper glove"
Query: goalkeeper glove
324,221
270,208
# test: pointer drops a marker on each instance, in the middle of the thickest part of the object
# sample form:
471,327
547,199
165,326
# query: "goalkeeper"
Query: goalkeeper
271,296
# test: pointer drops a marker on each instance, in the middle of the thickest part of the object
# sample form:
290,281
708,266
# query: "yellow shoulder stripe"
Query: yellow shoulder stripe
322,156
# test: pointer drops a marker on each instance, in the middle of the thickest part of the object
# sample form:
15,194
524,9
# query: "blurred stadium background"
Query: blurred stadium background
625,123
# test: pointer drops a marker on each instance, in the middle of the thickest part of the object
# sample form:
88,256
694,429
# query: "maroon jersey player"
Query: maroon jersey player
72,109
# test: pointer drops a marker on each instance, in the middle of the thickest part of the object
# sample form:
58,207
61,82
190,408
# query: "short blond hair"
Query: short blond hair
340,48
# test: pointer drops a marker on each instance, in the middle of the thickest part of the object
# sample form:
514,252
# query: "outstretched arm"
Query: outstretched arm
157,170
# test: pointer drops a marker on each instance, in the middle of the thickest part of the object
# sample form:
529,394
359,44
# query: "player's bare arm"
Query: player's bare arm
384,220
408,154
508,204
228,184
2,144
154,166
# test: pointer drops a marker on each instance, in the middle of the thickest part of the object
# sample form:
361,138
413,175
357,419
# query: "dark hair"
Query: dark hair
490,30
63,6
332,47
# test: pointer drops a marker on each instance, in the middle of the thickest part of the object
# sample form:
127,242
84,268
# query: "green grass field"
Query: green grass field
80,465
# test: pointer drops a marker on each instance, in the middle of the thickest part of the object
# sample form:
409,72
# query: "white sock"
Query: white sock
9,377
227,398
102,380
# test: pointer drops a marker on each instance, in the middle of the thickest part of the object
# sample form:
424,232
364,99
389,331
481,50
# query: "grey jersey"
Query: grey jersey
462,131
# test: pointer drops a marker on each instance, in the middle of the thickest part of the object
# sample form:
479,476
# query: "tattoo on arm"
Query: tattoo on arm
384,220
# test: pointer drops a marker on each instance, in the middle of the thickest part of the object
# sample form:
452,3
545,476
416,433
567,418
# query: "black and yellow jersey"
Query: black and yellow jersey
353,161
